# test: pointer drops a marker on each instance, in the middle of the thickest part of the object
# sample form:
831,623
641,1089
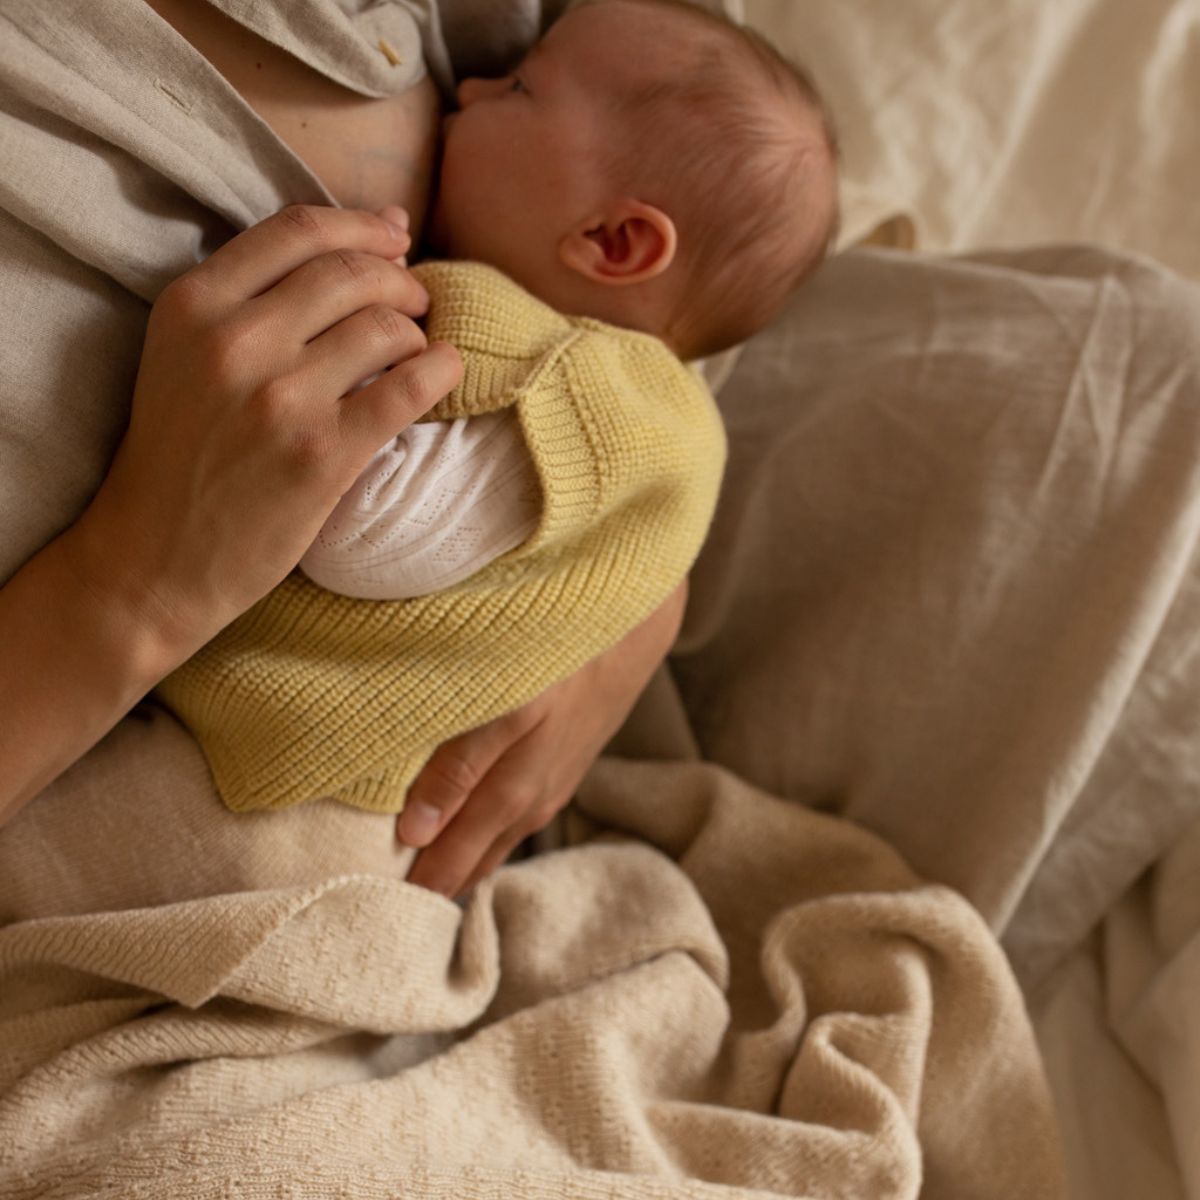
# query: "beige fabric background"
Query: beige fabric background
974,549
1016,122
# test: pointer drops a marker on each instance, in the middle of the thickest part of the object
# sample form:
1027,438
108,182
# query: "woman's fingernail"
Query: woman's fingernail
419,824
396,217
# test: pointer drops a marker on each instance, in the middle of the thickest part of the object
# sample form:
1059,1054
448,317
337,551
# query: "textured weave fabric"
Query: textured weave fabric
716,996
439,502
310,694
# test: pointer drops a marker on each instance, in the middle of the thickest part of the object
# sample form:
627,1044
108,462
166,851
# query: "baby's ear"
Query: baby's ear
631,243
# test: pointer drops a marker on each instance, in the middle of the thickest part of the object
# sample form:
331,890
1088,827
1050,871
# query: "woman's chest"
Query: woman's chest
367,152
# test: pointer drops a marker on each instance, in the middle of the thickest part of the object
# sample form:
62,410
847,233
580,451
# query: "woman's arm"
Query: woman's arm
482,793
75,660
245,429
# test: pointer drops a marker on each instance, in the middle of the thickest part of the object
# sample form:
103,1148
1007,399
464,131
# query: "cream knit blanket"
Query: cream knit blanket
745,998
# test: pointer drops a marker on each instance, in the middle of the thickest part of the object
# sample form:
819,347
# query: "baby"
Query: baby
647,164
646,187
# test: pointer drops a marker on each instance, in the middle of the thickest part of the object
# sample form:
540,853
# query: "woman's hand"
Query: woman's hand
245,431
482,793
246,426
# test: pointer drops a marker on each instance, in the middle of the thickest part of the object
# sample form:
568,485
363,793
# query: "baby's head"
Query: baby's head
647,164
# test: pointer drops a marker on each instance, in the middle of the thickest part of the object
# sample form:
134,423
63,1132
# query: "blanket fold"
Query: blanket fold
715,992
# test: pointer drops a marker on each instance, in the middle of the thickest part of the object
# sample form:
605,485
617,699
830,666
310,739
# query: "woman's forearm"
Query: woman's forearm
74,660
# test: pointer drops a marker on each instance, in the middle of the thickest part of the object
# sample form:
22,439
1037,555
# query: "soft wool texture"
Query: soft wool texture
722,996
312,694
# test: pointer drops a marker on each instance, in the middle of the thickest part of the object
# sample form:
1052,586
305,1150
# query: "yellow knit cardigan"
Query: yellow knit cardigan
312,694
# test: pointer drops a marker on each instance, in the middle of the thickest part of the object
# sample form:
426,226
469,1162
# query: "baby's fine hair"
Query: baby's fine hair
751,189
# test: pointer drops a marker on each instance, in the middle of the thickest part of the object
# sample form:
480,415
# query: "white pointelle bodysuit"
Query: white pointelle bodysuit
436,504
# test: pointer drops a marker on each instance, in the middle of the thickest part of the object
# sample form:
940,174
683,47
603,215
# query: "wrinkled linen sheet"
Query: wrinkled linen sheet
1151,944
962,581
955,576
954,573
1014,122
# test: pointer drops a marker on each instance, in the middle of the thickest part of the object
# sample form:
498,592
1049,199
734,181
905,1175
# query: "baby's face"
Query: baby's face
522,160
